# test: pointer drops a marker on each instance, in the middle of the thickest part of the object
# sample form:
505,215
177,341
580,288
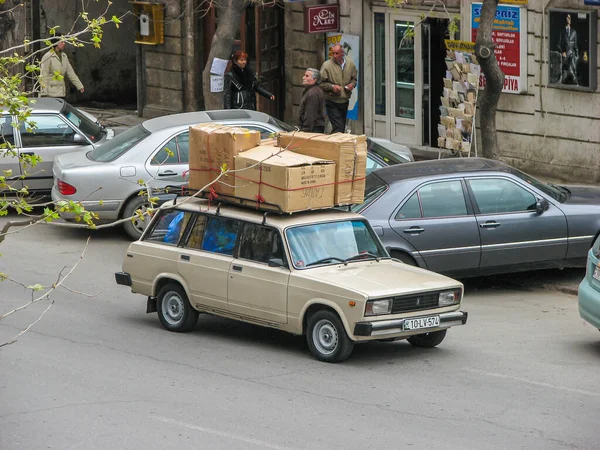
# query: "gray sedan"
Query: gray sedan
105,180
60,128
473,216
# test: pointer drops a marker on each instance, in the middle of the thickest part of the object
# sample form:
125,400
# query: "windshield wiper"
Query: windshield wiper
324,260
362,255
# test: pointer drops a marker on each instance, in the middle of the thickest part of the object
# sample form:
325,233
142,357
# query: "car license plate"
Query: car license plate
596,274
421,322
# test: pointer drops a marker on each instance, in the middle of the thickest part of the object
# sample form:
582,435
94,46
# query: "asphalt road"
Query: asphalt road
96,372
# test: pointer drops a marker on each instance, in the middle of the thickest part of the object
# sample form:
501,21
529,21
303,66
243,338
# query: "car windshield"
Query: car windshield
92,130
558,193
119,145
333,242
375,186
387,155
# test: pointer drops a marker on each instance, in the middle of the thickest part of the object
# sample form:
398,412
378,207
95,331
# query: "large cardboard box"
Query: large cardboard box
348,151
292,181
212,146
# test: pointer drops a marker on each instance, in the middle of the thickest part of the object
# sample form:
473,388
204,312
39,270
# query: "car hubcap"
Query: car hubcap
325,337
172,308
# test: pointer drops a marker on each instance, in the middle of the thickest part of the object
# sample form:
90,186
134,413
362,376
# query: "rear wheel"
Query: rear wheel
136,226
327,338
428,340
174,309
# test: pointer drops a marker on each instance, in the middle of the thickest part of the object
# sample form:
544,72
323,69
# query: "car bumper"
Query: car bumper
123,278
107,209
589,303
385,328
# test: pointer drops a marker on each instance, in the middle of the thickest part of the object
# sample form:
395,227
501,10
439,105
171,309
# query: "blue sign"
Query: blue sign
592,2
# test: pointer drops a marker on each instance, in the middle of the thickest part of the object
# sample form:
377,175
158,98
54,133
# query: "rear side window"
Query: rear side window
220,235
410,210
49,131
176,151
168,227
119,145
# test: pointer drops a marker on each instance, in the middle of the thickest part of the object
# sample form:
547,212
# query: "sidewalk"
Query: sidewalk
115,118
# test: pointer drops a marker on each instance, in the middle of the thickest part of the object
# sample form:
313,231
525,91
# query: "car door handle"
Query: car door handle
414,230
185,257
168,173
490,224
28,153
237,268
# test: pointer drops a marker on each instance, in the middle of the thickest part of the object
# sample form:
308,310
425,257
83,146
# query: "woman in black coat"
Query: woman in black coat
240,84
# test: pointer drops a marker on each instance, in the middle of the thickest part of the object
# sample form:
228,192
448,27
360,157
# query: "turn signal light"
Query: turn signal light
66,188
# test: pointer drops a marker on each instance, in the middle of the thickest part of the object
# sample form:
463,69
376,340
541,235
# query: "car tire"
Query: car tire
327,338
405,258
428,340
174,309
135,227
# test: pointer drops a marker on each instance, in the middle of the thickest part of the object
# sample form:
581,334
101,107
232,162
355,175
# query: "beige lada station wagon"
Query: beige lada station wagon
323,274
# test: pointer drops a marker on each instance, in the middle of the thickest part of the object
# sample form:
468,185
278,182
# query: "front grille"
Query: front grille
415,302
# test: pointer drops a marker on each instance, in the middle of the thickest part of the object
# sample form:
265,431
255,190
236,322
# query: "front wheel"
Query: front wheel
327,338
428,340
174,309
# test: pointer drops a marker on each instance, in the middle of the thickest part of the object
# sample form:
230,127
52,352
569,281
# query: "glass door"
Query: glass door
405,69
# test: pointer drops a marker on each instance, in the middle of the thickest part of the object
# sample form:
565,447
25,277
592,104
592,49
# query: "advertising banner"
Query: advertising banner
350,44
509,33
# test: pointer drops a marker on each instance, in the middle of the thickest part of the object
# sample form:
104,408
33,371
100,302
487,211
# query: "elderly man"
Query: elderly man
338,81
312,105
54,62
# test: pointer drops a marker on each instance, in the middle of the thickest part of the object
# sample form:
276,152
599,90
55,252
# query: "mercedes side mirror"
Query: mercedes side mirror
541,205
79,139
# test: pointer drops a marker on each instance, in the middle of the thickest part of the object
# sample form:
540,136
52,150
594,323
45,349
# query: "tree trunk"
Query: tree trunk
488,102
230,14
189,72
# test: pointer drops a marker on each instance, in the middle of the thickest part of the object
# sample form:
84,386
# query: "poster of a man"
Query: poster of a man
572,47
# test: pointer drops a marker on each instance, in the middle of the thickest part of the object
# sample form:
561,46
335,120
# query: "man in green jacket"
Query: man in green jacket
54,63
338,81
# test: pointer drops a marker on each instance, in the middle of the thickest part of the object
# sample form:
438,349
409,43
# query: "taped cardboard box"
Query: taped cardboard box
212,146
348,151
294,182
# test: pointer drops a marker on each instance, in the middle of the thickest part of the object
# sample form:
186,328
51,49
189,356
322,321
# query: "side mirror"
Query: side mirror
79,139
276,262
541,205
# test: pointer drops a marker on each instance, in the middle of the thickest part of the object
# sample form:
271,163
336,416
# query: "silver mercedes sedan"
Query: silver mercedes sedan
106,180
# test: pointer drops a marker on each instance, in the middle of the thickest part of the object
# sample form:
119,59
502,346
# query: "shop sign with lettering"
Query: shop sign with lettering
509,33
321,18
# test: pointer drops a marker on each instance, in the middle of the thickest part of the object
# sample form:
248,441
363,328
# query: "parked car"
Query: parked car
323,274
473,216
589,289
60,128
105,180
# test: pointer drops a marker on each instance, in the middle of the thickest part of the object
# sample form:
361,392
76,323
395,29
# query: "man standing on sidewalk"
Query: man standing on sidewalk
339,80
312,105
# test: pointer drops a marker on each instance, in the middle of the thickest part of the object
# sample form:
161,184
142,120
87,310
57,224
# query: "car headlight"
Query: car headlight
377,307
448,298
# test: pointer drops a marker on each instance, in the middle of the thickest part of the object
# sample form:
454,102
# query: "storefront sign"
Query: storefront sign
509,33
321,18
350,44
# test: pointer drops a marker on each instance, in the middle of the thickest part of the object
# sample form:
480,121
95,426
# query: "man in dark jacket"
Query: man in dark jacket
312,105
567,45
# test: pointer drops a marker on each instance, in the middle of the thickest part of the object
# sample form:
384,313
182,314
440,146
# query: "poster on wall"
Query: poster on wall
509,33
350,44
572,49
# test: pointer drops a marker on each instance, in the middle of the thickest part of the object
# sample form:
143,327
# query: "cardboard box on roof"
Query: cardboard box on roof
348,151
213,145
294,182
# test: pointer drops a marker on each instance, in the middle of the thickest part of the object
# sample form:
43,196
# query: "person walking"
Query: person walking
55,61
339,76
240,84
312,104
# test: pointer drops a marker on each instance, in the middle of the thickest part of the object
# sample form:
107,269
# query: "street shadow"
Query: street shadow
589,347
